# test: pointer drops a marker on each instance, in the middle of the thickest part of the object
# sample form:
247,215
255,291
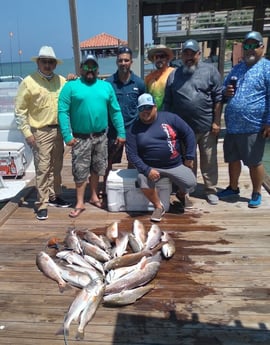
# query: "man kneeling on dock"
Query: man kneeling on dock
154,147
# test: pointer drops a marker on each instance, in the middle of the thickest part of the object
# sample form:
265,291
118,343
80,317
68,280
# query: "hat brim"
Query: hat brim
152,52
35,58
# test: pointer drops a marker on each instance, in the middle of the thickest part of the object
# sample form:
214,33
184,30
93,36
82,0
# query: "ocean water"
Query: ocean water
106,66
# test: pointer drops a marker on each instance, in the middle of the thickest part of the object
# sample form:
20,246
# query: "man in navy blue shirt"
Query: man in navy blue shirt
128,87
154,148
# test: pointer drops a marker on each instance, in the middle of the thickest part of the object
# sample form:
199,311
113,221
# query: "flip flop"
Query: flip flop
76,212
97,204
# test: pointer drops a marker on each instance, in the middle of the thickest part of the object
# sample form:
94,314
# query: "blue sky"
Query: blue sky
35,23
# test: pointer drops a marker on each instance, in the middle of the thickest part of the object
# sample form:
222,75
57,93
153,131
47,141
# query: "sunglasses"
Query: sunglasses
160,56
145,107
89,69
124,50
123,60
251,46
47,61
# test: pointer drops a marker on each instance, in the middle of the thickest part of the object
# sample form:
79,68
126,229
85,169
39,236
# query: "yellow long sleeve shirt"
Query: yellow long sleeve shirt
36,102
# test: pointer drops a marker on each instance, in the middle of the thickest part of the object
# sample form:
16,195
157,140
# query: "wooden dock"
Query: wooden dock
215,290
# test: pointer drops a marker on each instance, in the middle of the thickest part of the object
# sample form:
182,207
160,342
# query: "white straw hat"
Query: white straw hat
46,52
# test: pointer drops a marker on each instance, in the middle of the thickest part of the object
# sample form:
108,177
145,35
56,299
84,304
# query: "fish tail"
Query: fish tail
79,335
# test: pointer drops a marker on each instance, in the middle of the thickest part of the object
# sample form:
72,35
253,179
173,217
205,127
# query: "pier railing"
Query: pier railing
205,24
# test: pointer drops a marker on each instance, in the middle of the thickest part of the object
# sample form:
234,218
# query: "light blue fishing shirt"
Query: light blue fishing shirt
249,109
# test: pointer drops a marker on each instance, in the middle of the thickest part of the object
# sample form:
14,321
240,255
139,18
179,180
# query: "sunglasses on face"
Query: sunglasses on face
251,46
145,107
89,69
47,61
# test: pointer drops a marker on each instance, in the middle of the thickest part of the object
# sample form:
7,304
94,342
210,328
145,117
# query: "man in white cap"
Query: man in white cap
194,92
247,118
36,117
156,80
85,106
154,144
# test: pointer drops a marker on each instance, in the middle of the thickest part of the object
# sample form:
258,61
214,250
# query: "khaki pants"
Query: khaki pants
48,159
207,144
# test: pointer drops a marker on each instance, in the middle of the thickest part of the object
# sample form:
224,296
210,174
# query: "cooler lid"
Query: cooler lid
11,146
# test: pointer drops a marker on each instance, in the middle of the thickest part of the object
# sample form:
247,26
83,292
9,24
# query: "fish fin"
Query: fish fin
62,331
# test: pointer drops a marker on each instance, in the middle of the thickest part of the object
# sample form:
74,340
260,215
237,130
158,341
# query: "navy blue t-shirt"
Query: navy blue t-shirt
158,145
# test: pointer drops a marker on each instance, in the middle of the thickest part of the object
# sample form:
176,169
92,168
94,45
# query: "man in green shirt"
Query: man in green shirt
85,104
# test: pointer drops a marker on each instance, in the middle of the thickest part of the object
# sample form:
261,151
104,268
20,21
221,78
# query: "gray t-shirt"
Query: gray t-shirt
193,96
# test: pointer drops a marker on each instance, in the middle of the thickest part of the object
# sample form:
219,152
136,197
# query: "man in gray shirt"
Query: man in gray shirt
194,92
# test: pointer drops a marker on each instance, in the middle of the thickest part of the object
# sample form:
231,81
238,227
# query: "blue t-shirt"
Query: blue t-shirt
158,145
249,109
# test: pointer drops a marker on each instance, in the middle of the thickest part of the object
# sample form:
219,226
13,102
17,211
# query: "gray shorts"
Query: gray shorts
181,176
248,148
89,156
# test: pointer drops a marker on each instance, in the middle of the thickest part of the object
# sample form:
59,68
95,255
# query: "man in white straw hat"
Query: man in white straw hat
36,117
156,80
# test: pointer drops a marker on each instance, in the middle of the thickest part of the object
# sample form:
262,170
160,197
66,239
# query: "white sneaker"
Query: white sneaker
157,214
212,199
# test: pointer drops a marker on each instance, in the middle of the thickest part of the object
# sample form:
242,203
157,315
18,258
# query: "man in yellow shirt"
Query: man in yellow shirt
156,80
36,116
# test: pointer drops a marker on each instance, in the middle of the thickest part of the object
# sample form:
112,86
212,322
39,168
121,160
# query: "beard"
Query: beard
250,59
189,69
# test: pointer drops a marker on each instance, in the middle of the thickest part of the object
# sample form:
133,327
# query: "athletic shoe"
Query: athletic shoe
255,201
188,203
58,202
157,214
225,193
212,199
185,200
42,214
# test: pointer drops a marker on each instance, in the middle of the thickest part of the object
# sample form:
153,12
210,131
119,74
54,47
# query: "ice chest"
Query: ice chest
123,193
12,159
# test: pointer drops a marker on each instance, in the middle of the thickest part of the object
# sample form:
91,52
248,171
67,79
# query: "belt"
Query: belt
90,135
52,126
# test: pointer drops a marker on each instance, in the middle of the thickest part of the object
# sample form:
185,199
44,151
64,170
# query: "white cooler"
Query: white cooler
123,193
12,159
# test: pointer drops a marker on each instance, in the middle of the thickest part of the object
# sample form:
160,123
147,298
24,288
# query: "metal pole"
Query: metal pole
1,67
75,36
10,46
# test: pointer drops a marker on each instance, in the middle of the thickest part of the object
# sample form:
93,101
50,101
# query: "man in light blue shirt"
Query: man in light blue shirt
247,117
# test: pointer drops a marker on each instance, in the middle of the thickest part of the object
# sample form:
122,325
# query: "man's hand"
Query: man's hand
31,140
266,131
154,175
189,163
215,128
120,141
72,142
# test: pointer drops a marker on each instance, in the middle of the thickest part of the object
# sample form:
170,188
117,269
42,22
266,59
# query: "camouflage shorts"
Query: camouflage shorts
89,156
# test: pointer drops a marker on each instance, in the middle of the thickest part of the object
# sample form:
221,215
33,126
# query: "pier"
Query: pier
214,290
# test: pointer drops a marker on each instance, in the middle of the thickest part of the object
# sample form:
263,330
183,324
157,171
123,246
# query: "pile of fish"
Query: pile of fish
114,269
